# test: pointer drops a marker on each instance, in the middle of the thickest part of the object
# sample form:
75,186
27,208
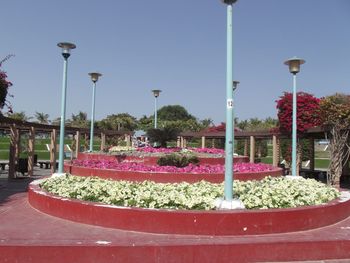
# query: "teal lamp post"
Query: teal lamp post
294,67
66,48
94,77
156,93
228,202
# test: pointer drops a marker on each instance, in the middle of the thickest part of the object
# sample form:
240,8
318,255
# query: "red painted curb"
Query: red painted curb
195,222
139,176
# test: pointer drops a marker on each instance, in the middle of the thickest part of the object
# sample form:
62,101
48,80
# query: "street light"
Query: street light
94,77
294,67
228,202
156,93
66,48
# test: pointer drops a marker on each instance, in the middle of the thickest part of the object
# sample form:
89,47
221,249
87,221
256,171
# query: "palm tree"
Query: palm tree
42,118
80,120
21,116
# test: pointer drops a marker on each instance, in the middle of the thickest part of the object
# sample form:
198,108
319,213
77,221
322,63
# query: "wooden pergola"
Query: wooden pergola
250,138
17,127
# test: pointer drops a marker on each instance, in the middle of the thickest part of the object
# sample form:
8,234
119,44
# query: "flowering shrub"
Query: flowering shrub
4,86
196,169
308,114
268,193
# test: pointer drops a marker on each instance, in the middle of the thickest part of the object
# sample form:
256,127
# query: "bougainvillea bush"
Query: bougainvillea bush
4,86
308,112
191,168
268,193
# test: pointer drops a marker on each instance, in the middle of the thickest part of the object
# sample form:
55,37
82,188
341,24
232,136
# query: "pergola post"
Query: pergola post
85,144
252,149
312,154
178,141
77,144
128,140
53,150
203,142
185,142
275,150
182,142
103,141
31,151
14,151
246,143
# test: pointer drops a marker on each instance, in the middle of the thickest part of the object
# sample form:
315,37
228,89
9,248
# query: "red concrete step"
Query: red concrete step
27,235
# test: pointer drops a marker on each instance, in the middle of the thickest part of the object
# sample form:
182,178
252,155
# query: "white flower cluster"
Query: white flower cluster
121,149
269,193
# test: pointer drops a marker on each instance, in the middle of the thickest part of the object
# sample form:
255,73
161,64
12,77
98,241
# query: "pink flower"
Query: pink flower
195,169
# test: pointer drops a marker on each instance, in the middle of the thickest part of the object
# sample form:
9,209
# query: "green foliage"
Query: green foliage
335,110
177,159
162,136
255,124
286,149
121,121
21,116
174,113
261,149
79,120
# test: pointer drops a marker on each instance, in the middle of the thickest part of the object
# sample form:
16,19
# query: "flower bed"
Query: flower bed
192,222
267,193
168,174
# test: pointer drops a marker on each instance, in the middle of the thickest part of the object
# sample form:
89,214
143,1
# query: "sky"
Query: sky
178,47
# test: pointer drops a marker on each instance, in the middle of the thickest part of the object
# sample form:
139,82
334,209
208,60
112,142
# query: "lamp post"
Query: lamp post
228,202
94,77
156,93
234,85
66,48
294,67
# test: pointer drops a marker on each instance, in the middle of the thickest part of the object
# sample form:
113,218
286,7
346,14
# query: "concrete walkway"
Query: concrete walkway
18,185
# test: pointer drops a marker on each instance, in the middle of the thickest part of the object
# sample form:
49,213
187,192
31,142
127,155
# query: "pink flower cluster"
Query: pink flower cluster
195,169
208,150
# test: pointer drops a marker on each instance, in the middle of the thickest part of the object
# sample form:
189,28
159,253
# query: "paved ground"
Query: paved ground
18,185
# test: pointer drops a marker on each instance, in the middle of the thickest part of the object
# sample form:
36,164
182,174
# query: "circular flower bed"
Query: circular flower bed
150,151
269,193
195,169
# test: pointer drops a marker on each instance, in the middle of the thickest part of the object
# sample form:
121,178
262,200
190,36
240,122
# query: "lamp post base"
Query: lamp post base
222,204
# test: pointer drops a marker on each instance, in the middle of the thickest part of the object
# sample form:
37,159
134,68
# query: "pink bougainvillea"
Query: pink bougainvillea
195,169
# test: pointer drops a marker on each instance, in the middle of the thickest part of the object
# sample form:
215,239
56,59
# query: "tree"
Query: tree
42,118
308,110
174,113
335,115
162,136
4,86
21,116
174,116
79,120
121,121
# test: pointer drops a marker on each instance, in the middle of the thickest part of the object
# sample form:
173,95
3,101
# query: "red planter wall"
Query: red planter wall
228,222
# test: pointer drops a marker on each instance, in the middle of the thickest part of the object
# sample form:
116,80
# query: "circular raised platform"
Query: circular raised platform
194,222
139,176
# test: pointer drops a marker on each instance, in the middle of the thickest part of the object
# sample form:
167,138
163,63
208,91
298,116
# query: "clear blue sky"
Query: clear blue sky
176,46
